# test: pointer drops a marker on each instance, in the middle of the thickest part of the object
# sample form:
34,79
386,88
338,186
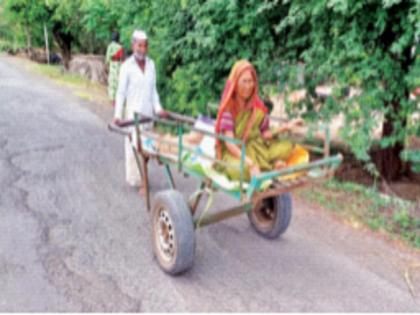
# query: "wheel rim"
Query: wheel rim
165,235
266,213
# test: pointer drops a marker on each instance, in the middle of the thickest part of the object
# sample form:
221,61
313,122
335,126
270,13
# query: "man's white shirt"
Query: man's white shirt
137,89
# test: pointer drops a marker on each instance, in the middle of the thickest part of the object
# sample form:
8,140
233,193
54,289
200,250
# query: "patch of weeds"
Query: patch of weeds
369,206
402,218
376,223
81,86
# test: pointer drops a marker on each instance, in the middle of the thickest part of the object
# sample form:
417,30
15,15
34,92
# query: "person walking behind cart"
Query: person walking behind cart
136,93
114,57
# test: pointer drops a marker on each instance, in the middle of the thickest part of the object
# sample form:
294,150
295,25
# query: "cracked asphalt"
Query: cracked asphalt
74,237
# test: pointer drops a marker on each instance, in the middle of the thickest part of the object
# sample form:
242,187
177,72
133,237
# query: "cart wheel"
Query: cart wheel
272,216
173,232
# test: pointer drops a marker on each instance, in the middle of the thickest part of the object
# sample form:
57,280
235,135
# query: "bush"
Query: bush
9,47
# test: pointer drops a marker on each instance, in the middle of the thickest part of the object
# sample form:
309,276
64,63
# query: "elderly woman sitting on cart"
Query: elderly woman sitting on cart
243,115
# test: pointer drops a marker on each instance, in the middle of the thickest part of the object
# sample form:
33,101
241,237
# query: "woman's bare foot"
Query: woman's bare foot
280,164
255,170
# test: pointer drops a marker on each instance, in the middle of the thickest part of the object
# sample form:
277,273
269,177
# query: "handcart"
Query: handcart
265,198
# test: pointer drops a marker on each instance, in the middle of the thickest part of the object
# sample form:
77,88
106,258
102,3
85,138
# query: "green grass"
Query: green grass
365,205
55,72
8,46
81,86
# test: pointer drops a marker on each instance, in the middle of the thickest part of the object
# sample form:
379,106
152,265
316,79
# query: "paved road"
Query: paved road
74,237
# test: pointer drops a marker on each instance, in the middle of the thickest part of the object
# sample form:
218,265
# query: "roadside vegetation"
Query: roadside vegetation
359,206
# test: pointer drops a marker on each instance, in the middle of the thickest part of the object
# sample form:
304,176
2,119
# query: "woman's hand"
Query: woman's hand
289,126
297,122
267,135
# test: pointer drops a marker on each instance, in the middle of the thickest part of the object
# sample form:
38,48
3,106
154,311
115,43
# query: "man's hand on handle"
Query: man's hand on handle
116,121
163,114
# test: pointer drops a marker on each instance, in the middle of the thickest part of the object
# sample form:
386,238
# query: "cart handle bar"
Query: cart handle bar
143,119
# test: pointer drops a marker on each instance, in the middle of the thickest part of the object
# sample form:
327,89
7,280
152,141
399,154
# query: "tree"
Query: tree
99,20
61,17
65,23
28,14
367,44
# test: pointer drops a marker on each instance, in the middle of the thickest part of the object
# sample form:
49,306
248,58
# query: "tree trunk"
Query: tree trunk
66,55
388,160
64,41
65,49
29,50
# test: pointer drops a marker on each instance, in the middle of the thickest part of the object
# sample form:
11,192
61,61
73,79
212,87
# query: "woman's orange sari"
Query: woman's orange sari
262,152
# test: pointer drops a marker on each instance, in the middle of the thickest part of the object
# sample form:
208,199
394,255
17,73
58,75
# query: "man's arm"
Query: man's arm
121,93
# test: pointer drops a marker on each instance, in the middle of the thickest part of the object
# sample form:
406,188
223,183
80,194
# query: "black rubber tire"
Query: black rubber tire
276,223
183,231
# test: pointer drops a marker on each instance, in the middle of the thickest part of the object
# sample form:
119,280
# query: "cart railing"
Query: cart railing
183,124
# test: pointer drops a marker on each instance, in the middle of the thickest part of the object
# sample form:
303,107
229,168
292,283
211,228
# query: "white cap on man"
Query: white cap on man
138,35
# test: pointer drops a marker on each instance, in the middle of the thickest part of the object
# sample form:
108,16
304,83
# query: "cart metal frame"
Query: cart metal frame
248,198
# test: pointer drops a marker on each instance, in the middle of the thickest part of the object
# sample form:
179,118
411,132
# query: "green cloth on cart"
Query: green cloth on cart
198,165
194,162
